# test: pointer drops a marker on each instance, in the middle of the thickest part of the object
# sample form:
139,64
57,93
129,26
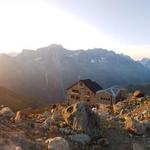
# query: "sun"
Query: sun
33,24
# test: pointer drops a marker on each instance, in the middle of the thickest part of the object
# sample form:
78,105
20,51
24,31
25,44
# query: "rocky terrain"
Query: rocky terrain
125,126
10,98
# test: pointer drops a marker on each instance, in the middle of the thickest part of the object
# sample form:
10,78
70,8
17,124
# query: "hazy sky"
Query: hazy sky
119,25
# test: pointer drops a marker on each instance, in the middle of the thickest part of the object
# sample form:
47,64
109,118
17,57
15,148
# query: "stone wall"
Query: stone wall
80,92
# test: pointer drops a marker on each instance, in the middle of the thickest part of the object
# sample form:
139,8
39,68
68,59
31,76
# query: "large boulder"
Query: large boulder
138,94
134,126
57,143
80,138
6,112
146,124
81,118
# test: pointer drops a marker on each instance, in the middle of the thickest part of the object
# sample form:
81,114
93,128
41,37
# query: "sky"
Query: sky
119,25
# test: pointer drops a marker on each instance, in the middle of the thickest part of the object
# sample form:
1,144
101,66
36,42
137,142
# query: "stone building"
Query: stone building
110,96
83,90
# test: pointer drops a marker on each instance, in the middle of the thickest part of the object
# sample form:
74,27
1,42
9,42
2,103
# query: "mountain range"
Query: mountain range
47,72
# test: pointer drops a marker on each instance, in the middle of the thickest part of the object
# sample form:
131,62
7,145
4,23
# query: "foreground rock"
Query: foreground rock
135,126
20,117
6,112
81,118
57,143
138,94
80,138
17,141
103,142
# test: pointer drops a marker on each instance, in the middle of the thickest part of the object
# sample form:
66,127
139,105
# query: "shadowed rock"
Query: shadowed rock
80,117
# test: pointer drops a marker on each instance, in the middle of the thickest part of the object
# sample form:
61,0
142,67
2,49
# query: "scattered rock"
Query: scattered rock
134,126
62,124
117,108
19,117
138,94
18,148
81,138
39,140
137,146
57,143
66,131
57,117
46,114
46,124
103,142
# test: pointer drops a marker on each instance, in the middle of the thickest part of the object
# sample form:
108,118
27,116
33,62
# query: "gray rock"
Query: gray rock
46,124
6,112
137,146
118,107
103,142
46,114
57,143
81,118
57,117
134,126
18,148
66,131
80,138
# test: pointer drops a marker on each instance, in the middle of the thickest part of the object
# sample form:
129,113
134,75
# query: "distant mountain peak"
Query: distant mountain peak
56,46
145,62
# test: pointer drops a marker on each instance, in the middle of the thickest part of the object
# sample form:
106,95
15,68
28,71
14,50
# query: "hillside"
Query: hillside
47,72
17,102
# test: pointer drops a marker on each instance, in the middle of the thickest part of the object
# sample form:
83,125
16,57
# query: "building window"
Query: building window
72,96
105,99
77,97
75,91
88,93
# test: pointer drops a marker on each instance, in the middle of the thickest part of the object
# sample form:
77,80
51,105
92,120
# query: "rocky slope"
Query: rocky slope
61,127
48,71
17,101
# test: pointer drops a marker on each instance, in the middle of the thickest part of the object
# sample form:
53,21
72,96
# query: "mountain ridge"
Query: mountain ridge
48,71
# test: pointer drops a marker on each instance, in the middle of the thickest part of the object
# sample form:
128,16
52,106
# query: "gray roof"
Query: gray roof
92,85
112,91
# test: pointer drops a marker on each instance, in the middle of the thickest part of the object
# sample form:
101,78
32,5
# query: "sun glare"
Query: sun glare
38,24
